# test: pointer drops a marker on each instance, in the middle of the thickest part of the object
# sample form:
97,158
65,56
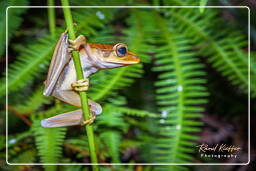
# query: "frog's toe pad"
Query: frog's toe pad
73,45
80,85
90,120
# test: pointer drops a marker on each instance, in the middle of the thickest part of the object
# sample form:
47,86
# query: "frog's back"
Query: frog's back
101,46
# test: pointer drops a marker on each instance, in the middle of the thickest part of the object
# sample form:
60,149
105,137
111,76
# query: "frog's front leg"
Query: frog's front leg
81,85
77,43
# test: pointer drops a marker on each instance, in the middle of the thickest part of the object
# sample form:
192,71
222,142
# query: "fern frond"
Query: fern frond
49,142
89,20
111,119
34,102
29,64
79,142
14,19
112,139
180,91
23,156
114,124
132,112
219,47
108,81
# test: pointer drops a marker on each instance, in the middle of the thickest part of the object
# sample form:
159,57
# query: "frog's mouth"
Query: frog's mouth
127,60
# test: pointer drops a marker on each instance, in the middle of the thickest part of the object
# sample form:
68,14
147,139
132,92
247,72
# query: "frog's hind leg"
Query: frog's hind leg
65,119
60,59
71,97
73,117
68,119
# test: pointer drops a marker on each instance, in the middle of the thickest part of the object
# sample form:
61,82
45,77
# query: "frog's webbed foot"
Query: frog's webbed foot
95,109
90,120
81,85
75,44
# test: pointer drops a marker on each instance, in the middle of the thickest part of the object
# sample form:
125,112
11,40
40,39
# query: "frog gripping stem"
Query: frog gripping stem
83,95
80,85
79,41
90,120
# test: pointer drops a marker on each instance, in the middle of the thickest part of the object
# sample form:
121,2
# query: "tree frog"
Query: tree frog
61,79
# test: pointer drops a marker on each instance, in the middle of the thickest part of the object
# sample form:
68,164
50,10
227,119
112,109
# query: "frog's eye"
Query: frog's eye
120,49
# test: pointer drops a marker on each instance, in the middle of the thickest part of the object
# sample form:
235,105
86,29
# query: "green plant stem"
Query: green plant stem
83,95
51,18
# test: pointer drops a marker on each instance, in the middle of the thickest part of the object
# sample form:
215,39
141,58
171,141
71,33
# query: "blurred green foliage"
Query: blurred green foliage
151,111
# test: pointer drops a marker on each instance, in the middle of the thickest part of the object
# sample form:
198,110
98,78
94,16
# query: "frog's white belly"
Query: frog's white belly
68,75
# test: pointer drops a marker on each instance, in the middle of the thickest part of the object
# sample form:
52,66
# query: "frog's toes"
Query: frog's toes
80,85
90,120
75,44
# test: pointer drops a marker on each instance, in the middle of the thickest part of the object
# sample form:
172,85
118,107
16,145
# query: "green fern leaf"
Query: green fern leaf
112,119
14,19
132,112
220,47
49,143
180,91
34,102
29,64
112,139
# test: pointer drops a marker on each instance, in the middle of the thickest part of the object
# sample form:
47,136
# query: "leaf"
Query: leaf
180,92
112,139
14,19
49,142
33,60
218,50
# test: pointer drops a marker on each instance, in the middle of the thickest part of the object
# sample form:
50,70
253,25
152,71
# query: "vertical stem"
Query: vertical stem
51,18
83,96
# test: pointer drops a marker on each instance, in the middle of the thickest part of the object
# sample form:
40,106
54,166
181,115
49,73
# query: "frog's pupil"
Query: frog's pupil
122,50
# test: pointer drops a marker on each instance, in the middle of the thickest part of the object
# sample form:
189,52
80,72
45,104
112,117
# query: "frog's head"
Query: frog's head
117,55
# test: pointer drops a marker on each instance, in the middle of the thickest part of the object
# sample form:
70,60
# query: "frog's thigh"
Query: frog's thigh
68,96
71,97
